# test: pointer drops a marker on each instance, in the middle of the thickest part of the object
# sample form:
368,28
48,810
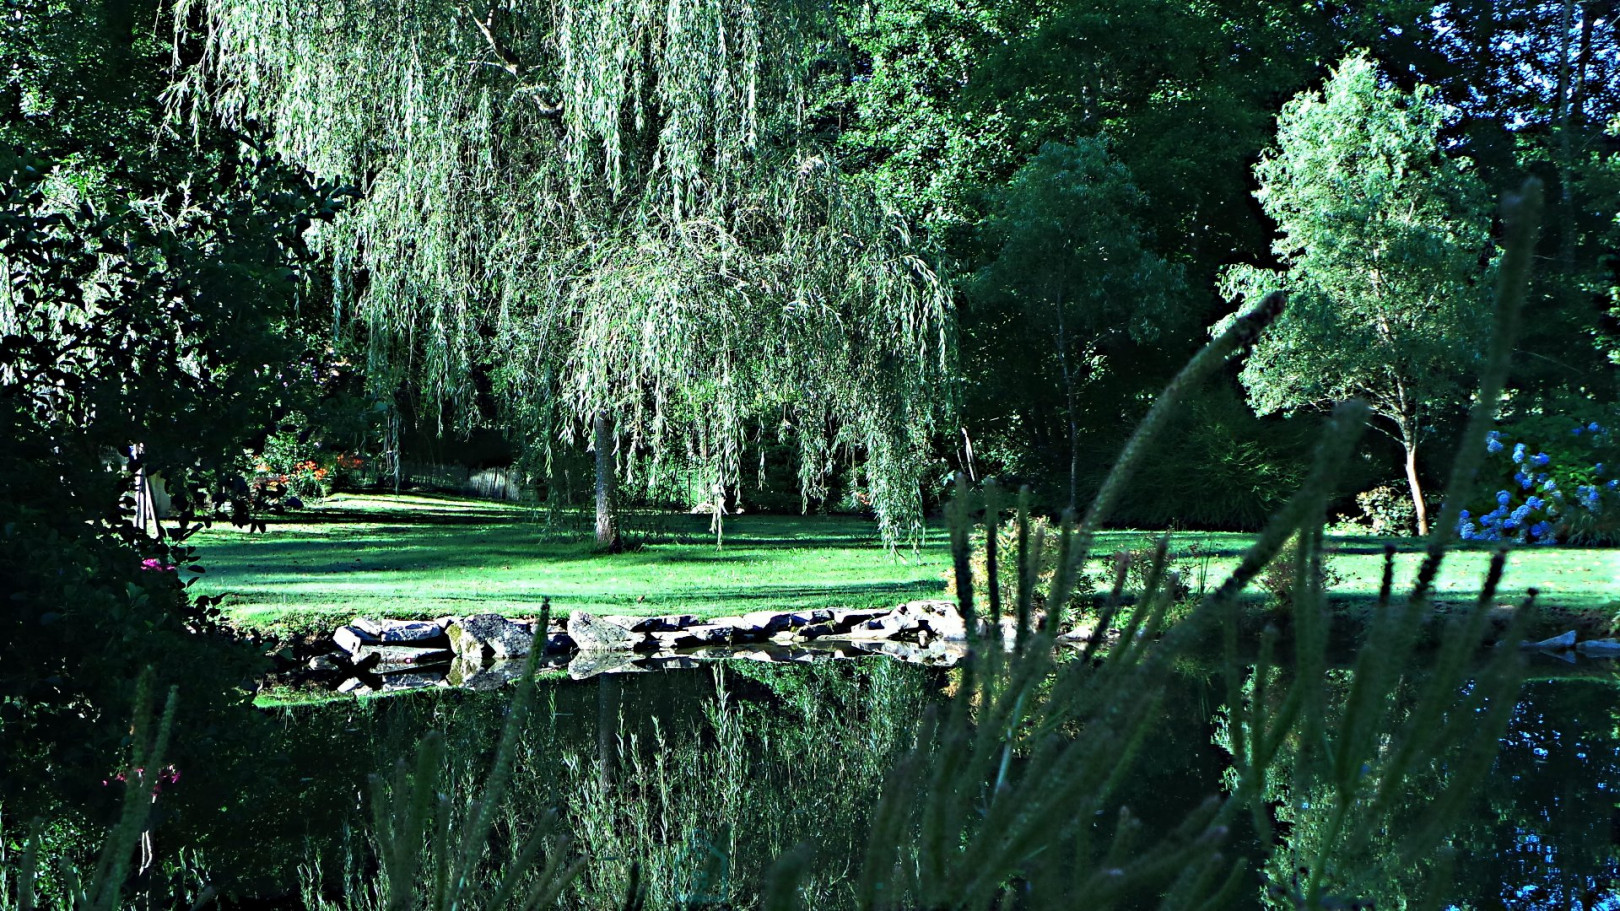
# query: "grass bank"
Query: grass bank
424,556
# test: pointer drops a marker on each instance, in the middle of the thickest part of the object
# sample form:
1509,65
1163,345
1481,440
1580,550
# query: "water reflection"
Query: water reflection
703,778
1546,832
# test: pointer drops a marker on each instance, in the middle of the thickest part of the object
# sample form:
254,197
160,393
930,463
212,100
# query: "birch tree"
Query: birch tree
1381,237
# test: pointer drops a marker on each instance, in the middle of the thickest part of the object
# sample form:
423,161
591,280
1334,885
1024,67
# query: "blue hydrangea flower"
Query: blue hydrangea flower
1503,497
1464,515
1522,513
1598,468
1578,430
1540,458
1594,427
1467,531
1551,486
1534,502
1523,479
1518,452
1493,445
1612,484
1538,529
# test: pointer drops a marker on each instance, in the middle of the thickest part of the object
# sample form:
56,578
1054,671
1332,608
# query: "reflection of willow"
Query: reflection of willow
704,813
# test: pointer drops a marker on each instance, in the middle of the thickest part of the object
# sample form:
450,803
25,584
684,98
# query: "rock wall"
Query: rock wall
482,651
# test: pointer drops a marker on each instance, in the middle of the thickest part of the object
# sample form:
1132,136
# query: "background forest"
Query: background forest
818,255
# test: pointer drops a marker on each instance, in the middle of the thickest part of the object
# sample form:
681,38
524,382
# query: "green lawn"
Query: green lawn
425,556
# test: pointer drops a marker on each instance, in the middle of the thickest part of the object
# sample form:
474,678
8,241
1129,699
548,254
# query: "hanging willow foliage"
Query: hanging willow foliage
609,206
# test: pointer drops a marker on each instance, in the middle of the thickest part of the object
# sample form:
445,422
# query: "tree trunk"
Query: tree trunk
1582,58
607,520
1411,446
1068,404
145,508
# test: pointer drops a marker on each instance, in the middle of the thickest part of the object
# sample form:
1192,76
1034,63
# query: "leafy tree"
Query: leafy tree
615,211
1536,85
147,323
1381,237
1073,284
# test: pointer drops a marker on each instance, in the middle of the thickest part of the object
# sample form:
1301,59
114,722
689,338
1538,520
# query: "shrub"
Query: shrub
1553,484
1387,510
1279,578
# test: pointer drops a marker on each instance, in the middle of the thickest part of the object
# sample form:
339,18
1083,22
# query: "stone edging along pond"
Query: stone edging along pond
482,651
478,652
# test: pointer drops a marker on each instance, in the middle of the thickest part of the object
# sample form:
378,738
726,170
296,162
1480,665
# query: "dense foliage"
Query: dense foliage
611,217
147,330
1382,237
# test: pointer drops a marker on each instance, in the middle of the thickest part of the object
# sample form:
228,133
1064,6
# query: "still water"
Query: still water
703,777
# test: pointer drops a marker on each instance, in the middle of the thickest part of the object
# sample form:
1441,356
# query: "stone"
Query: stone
1600,648
770,621
883,627
599,634
325,664
694,636
559,642
740,629
815,630
351,639
354,686
710,633
490,635
1555,644
410,680
400,631
589,664
1080,634
941,617
664,624
845,620
400,656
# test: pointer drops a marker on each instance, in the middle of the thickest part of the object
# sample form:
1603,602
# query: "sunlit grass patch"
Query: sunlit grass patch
427,556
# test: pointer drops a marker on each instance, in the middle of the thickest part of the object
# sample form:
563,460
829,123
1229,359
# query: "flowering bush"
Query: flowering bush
294,463
1555,486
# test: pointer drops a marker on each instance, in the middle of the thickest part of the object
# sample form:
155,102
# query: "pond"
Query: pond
705,776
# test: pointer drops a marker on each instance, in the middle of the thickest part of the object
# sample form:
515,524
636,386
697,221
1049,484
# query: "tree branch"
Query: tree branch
511,63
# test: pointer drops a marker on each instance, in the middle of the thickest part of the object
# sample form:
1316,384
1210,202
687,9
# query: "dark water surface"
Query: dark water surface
705,776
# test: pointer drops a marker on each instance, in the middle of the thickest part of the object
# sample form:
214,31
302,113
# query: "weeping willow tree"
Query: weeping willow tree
613,210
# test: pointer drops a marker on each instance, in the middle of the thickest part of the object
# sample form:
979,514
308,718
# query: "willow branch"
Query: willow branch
510,62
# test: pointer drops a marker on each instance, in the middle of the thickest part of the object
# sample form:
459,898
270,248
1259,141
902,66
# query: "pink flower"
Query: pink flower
153,563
